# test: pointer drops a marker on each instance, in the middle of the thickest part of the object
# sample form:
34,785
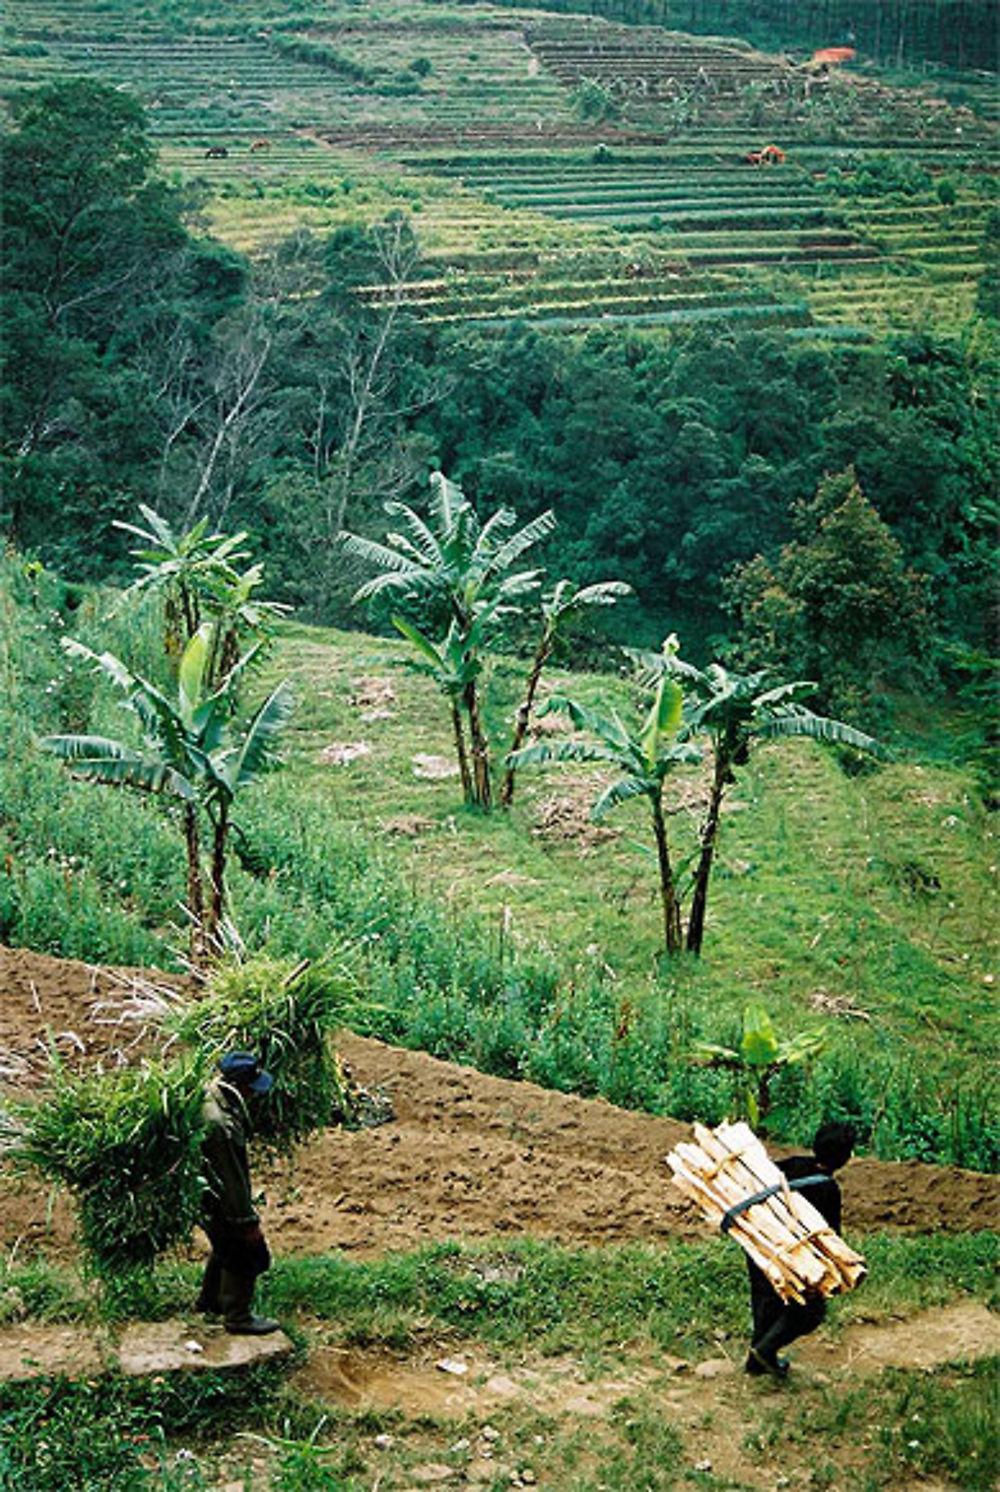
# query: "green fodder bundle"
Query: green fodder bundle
286,1016
126,1144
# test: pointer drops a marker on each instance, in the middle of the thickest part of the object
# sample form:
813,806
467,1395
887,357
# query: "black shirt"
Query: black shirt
824,1196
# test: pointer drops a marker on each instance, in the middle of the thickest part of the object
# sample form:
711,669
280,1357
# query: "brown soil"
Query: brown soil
467,1156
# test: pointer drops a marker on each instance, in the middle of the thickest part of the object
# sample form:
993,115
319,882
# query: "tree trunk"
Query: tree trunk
524,714
673,940
219,836
482,790
463,756
195,891
699,899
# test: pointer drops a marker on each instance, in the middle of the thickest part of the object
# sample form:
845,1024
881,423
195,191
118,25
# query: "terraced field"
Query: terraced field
527,204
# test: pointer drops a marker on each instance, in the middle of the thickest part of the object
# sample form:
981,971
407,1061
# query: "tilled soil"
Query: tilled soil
466,1156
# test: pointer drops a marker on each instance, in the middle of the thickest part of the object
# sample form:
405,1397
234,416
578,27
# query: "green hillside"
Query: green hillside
529,942
629,349
567,169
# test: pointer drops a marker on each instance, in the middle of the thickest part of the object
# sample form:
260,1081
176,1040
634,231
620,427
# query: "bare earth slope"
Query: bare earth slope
466,1156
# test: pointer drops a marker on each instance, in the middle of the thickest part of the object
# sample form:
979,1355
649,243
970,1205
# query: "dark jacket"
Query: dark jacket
227,1202
824,1196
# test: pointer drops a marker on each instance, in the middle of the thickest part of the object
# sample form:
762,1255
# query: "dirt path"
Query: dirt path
471,1391
962,1332
467,1156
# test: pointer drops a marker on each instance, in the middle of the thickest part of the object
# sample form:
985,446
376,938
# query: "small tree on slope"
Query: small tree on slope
190,753
465,569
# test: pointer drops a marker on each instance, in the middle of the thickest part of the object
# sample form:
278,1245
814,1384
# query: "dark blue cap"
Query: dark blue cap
244,1069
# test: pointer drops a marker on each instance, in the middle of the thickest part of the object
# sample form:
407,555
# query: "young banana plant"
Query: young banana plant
760,1056
190,751
644,756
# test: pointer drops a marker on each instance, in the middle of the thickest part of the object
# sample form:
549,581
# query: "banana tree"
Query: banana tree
759,1058
464,567
452,668
644,756
238,759
197,574
735,710
564,602
180,567
190,753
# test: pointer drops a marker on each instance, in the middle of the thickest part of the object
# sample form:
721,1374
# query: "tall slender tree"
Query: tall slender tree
644,756
565,601
190,752
734,710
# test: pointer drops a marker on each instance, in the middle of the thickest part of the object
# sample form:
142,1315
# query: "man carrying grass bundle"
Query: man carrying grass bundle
239,1251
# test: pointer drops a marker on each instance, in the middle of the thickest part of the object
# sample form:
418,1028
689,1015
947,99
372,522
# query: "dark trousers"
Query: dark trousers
230,1277
775,1322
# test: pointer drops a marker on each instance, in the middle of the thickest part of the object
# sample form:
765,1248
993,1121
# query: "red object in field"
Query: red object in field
832,56
769,156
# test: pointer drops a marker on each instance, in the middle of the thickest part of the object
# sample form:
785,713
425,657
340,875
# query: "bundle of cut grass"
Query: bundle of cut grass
126,1144
285,1015
730,1175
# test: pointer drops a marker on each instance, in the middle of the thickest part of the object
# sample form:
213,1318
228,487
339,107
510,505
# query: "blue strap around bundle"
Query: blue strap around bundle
732,1213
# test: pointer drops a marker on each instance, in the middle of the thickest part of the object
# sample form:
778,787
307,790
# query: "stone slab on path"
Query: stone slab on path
143,1348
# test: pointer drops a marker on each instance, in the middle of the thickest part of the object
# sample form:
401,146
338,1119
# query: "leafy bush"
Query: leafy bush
883,175
592,100
318,54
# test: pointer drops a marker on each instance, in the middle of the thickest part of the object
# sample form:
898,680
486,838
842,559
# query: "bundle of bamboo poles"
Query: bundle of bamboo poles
783,1233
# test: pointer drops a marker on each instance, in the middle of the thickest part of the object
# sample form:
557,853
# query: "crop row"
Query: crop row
778,314
678,195
527,291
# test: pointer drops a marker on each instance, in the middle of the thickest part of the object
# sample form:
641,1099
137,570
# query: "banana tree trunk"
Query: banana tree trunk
542,656
461,752
482,789
195,888
220,835
673,940
709,833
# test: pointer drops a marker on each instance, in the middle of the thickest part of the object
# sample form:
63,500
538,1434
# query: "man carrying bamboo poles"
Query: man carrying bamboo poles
776,1322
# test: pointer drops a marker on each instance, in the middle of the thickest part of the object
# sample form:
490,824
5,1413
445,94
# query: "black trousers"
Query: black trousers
227,1285
775,1322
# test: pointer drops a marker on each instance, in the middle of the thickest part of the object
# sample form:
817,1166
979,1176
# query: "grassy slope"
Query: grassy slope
865,902
879,890
823,855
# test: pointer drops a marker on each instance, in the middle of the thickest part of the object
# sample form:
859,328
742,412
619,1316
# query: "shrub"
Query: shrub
126,1144
592,100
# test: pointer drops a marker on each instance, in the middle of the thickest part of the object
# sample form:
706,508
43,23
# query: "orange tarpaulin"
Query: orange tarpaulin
833,54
